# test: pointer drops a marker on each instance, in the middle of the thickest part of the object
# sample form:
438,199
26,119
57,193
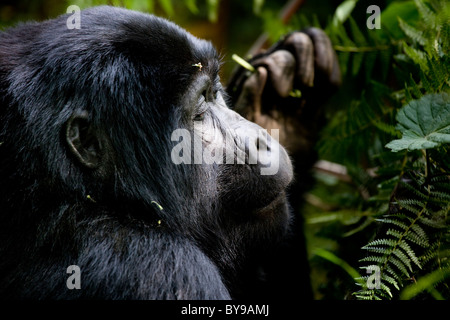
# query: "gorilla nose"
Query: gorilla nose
271,156
263,141
258,145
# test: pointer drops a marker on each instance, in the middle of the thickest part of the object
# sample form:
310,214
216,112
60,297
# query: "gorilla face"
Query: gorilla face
121,127
252,169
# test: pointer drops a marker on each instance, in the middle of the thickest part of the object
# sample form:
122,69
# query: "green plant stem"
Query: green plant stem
327,255
428,175
360,49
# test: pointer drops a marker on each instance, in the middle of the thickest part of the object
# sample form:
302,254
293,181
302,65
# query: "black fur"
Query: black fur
130,74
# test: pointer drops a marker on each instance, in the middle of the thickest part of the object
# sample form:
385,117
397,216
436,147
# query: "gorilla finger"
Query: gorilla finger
335,78
281,67
325,57
249,101
302,48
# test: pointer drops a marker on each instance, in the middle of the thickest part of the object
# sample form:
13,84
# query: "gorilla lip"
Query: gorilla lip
272,204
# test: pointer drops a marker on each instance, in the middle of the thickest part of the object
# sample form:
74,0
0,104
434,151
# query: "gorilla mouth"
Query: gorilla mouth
271,204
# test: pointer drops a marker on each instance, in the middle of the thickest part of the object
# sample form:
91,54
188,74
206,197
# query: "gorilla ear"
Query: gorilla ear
83,140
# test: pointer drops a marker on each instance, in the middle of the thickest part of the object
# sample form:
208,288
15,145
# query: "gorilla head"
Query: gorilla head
119,155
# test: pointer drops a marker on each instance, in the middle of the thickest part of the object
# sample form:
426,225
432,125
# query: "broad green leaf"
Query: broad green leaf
426,282
424,123
343,11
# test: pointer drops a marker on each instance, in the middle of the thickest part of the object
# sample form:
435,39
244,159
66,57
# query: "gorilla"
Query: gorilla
120,158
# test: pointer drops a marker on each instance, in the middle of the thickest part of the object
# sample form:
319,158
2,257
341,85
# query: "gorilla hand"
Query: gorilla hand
291,82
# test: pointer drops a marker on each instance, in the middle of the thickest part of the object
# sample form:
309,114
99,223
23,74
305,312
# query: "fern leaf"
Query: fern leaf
403,257
419,231
432,223
376,249
358,36
395,233
415,203
400,266
411,32
365,294
418,240
440,195
417,56
414,189
411,204
395,275
430,254
405,246
387,128
360,40
408,95
437,73
375,259
426,14
428,83
429,257
378,242
381,295
390,280
386,289
398,223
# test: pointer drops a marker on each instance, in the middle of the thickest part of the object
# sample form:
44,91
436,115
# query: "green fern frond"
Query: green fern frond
417,56
403,258
411,255
387,128
386,289
395,233
390,280
418,236
439,196
382,242
398,223
375,259
400,266
412,205
433,223
430,254
411,32
427,15
366,295
415,189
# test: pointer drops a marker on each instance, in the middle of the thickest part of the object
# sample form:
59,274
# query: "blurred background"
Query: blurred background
232,25
370,206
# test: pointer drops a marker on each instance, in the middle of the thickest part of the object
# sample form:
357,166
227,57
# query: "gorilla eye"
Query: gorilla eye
200,116
202,106
207,95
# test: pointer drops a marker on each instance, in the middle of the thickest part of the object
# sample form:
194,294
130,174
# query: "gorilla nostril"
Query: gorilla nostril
263,141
